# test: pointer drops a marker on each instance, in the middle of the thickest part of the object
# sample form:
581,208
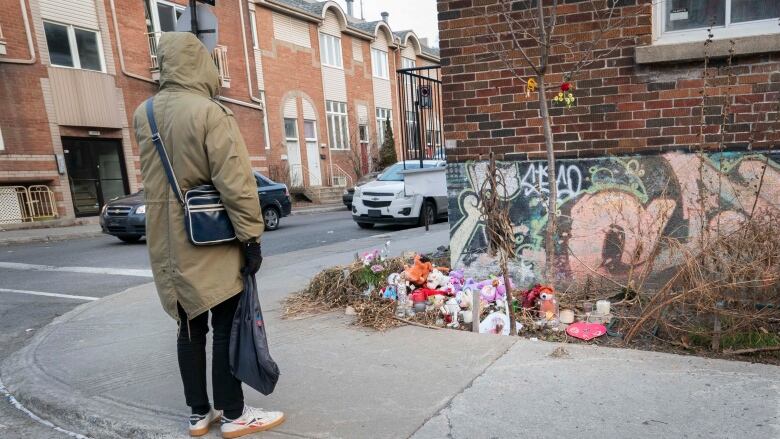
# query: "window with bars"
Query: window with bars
330,50
379,64
688,20
382,116
338,128
71,46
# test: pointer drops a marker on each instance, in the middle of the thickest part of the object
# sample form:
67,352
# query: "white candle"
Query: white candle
567,316
602,307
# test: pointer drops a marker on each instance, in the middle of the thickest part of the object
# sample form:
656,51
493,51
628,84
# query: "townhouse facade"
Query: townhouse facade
309,83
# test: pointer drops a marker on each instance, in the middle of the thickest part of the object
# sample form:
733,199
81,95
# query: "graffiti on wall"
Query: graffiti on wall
615,214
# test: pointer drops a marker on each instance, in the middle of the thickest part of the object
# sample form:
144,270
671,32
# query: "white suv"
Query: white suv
384,200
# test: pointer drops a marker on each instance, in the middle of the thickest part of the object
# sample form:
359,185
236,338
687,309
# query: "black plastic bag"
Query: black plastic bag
250,360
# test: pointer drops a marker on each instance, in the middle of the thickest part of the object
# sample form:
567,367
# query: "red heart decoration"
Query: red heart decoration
586,331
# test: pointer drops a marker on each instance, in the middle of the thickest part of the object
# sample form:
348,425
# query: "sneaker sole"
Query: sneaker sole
250,430
204,430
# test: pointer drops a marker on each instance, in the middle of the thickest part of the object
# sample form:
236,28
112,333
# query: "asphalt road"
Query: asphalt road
99,267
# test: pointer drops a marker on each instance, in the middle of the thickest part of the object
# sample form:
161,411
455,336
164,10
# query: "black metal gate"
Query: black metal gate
419,95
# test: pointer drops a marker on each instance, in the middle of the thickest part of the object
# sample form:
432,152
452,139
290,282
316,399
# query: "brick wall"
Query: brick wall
622,107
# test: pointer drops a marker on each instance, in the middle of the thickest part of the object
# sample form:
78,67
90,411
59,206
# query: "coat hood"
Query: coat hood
185,63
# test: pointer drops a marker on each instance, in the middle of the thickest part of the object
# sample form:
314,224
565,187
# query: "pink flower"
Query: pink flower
377,268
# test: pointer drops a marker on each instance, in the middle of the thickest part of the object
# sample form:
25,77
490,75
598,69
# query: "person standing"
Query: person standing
204,145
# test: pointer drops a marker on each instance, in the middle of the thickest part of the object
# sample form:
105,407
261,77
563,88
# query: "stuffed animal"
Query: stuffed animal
437,280
531,296
391,290
466,298
450,310
548,306
419,271
457,280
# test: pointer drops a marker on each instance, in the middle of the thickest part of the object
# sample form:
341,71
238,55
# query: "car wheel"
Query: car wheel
130,239
366,225
428,213
271,218
349,207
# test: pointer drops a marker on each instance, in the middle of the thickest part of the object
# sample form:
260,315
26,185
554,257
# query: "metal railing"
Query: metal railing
19,204
152,37
419,95
219,54
220,59
339,173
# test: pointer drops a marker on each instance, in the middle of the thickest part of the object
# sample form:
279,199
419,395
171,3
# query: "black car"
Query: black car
125,217
350,193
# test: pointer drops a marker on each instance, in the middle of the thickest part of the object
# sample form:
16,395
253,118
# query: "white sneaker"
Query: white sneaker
200,424
252,421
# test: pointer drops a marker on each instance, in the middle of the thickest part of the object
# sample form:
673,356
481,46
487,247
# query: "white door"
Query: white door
293,152
312,152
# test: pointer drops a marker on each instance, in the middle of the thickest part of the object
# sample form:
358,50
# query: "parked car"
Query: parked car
125,217
350,192
384,200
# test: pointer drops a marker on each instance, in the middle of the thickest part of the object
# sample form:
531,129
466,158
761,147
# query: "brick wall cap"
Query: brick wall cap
661,53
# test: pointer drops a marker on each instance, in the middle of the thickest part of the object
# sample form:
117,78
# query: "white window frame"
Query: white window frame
408,63
156,15
2,142
337,117
74,50
382,114
729,30
330,51
253,29
380,63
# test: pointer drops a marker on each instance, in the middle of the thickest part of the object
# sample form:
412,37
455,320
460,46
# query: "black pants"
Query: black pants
191,349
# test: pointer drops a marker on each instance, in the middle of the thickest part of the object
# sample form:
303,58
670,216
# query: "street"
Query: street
43,281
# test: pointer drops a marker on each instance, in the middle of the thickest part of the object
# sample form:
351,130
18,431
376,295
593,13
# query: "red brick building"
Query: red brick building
306,80
656,153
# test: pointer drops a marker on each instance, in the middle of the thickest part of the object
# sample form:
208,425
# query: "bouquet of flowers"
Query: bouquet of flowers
374,270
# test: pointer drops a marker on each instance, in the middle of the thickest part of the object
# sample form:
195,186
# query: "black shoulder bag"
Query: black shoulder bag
205,218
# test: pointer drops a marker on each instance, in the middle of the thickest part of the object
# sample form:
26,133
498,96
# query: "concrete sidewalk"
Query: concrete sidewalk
108,369
49,233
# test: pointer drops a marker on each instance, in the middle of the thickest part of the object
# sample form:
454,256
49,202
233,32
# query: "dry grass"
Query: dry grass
724,296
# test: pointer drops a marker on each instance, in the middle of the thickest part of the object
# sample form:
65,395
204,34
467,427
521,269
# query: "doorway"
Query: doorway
96,173
293,152
312,152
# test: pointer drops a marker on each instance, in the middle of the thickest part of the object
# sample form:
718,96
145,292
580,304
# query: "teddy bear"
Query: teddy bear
437,280
418,272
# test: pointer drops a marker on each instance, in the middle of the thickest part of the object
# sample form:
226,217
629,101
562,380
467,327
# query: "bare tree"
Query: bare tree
525,38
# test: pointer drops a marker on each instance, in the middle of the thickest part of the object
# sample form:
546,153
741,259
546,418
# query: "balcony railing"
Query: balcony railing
220,59
219,55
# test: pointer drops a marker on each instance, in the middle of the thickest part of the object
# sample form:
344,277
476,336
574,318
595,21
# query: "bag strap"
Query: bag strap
158,144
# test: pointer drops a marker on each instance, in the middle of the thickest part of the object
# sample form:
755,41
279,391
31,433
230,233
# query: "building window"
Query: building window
71,46
379,63
382,116
166,15
338,131
2,142
330,50
363,133
253,28
687,20
408,63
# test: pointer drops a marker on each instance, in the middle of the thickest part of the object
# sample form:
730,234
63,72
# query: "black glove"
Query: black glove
253,258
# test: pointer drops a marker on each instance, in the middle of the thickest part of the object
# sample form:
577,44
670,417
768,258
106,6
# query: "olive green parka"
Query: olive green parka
205,147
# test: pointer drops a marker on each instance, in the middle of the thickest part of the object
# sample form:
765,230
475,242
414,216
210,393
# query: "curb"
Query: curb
49,238
55,401
314,210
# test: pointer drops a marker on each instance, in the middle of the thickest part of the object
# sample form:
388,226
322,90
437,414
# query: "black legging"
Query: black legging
191,349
